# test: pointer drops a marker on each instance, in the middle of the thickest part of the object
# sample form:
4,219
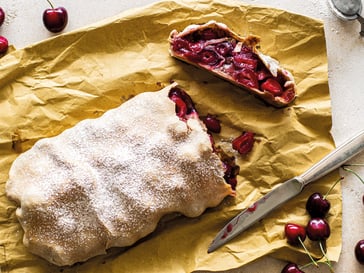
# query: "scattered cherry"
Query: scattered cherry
213,124
55,19
318,229
295,233
291,268
4,44
359,251
184,104
317,205
244,143
2,16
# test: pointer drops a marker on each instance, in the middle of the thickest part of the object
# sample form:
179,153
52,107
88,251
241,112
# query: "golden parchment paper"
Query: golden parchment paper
50,86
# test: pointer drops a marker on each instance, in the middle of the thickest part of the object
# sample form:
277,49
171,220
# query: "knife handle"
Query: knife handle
334,159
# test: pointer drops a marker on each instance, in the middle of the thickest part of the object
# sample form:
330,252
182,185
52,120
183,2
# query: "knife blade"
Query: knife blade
287,190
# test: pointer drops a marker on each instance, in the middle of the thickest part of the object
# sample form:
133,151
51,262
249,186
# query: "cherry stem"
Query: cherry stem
50,3
345,167
308,253
332,187
326,258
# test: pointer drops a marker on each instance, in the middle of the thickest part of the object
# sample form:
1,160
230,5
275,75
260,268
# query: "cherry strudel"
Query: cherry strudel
214,47
107,182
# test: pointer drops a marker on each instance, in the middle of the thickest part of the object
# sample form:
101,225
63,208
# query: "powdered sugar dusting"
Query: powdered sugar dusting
108,181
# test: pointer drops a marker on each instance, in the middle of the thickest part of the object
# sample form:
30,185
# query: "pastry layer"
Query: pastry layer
107,182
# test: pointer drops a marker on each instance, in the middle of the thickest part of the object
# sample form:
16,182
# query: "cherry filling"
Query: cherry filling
216,50
184,104
185,108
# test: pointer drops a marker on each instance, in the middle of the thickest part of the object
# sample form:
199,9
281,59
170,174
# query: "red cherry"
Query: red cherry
184,103
272,86
291,268
247,77
244,143
317,205
4,44
209,57
294,233
2,16
55,19
212,123
245,60
318,229
359,251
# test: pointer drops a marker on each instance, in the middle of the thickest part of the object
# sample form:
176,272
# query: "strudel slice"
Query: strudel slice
107,182
214,47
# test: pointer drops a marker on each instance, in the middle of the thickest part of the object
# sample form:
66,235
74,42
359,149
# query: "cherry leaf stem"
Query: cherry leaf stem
353,172
50,3
326,258
332,187
308,253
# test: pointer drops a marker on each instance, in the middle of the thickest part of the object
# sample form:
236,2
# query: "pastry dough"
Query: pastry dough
107,182
216,48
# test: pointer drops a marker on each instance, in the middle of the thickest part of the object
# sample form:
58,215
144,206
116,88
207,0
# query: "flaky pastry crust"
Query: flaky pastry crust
107,182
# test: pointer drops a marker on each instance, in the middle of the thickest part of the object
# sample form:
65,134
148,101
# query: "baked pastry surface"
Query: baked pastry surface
107,182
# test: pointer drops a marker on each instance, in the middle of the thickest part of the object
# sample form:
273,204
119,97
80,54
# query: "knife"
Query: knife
288,190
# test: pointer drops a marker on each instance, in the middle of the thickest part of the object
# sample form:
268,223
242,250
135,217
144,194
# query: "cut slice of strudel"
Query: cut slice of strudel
214,47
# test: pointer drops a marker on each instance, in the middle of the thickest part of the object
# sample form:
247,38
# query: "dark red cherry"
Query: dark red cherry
180,45
318,229
244,143
293,232
272,86
4,45
247,77
359,251
224,48
2,16
209,57
184,103
291,268
245,60
317,205
55,19
213,124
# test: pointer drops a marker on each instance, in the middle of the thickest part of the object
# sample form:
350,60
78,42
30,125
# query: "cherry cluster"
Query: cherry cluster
317,228
54,19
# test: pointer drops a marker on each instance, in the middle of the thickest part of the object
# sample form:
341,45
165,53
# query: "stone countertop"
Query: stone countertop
345,50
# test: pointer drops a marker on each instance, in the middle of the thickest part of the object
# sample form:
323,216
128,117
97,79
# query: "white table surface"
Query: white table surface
345,49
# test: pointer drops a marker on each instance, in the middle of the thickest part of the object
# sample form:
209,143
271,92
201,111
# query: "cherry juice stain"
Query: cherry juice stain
228,229
253,207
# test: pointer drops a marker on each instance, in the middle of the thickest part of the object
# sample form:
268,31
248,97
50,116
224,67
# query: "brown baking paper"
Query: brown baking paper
50,86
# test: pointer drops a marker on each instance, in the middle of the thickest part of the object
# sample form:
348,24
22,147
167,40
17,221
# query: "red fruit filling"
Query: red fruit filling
185,108
244,143
184,104
215,49
212,123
